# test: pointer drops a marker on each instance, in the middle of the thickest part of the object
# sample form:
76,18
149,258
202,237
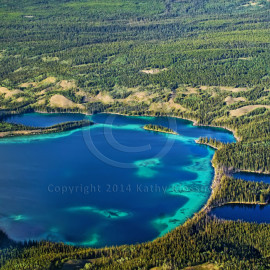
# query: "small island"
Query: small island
159,128
11,130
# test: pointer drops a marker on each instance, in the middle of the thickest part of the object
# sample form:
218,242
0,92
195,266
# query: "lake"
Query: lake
249,213
111,183
255,177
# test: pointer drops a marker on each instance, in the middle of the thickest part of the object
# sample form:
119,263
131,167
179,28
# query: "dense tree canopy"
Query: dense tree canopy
204,60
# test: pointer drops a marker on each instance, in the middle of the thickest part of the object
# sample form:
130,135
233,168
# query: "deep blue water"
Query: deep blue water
45,119
183,127
112,183
252,213
256,177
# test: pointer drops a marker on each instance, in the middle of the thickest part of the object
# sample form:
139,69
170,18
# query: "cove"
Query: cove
249,213
255,177
111,183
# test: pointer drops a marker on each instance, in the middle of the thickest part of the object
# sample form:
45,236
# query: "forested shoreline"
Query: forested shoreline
159,128
13,130
226,190
203,60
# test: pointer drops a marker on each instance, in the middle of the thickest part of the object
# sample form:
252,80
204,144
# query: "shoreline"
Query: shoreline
197,141
161,131
251,172
58,128
245,203
44,112
238,139
194,122
207,207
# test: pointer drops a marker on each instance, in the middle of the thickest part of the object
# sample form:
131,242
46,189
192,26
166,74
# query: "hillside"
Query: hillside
82,48
205,60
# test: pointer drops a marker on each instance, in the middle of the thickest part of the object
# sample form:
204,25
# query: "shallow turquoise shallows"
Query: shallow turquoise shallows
112,183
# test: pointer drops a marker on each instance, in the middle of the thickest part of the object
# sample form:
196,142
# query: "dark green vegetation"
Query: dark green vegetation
105,43
160,57
10,130
159,128
210,142
245,156
228,244
12,127
240,191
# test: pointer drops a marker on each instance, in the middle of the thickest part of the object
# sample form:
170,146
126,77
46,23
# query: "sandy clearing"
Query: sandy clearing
48,80
20,99
43,92
19,69
156,107
232,89
66,85
40,102
230,100
205,266
140,97
204,87
153,71
224,88
49,59
9,93
176,106
82,93
191,90
207,87
60,101
253,4
4,90
102,97
245,58
195,90
27,85
246,109
166,107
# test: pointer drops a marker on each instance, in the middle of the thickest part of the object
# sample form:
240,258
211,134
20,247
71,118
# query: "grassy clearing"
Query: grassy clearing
205,266
59,101
9,93
230,100
246,109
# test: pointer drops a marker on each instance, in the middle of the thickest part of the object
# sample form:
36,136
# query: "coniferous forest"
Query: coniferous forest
203,60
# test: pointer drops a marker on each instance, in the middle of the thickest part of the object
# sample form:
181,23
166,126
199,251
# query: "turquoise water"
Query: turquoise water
111,183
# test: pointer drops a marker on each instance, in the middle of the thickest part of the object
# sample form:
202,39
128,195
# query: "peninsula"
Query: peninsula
12,130
159,128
